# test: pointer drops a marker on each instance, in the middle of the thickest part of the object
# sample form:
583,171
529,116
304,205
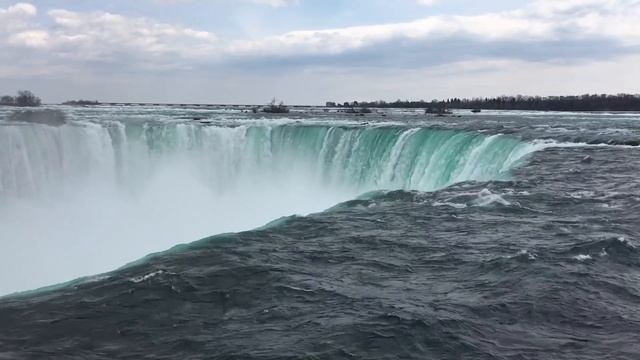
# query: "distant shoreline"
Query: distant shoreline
577,103
249,106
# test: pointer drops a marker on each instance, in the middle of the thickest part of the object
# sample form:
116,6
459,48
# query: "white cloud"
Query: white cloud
544,20
276,3
101,36
32,38
17,16
616,19
272,3
427,2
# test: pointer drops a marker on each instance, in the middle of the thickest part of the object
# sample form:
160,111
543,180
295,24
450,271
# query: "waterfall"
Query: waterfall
87,197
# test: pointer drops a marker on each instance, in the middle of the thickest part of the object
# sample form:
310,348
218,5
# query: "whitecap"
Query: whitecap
523,253
451,204
486,197
582,194
623,240
148,276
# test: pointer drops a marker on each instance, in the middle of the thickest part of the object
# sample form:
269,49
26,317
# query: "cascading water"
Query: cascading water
88,197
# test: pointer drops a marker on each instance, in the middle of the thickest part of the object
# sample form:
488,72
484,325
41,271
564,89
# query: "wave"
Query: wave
617,249
92,196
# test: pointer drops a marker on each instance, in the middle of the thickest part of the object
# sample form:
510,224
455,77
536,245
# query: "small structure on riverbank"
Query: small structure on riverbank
360,110
275,108
438,111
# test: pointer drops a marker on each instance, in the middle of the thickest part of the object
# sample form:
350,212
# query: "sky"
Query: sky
312,51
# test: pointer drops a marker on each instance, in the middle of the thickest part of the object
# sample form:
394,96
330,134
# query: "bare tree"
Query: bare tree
26,98
7,100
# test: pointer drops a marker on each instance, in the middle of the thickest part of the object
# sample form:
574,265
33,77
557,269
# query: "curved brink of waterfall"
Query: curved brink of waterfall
37,160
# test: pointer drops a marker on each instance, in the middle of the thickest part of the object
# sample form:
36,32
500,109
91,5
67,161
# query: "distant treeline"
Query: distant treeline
81,102
620,102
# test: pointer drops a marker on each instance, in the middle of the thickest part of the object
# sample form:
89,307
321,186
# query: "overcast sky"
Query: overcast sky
312,51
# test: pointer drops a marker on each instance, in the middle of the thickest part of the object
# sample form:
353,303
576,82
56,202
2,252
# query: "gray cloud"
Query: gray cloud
414,54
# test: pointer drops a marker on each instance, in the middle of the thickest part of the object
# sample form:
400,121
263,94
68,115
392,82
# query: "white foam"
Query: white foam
139,279
625,241
526,253
582,257
542,144
582,194
450,204
486,198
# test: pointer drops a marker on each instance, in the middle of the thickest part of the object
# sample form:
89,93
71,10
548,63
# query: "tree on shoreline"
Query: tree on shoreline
7,100
25,98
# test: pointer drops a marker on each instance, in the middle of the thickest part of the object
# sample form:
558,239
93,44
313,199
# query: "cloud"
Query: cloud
427,2
105,37
32,38
275,3
614,19
272,3
556,31
569,31
17,16
485,28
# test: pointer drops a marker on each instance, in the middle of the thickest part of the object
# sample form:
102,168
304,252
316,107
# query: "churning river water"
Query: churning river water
500,235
